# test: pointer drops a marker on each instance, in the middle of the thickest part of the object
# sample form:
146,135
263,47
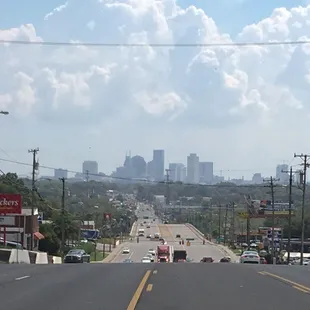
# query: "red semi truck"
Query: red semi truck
164,253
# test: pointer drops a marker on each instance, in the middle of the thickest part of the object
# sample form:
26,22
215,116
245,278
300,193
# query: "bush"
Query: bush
88,247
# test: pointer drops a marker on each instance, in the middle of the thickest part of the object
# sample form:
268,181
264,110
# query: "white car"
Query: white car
126,251
146,260
150,256
152,251
249,257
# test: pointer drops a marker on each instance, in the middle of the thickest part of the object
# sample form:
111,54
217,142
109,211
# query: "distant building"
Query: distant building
177,172
257,178
193,168
206,172
281,174
91,168
158,165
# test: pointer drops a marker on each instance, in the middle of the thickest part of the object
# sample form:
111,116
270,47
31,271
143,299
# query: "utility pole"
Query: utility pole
168,188
63,180
33,190
225,224
233,222
248,201
270,182
290,201
305,165
219,222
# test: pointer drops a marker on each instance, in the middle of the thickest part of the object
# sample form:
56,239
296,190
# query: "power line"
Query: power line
141,180
102,44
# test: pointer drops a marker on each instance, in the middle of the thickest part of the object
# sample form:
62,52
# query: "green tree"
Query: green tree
51,242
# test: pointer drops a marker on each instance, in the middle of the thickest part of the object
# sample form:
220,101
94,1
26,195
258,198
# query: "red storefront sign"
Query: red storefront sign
10,204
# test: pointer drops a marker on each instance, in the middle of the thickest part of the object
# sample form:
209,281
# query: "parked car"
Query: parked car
77,256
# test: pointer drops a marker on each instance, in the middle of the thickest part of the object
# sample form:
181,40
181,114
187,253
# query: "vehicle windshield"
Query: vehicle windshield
250,253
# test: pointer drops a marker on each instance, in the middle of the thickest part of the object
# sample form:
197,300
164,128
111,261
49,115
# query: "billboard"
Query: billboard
10,204
263,209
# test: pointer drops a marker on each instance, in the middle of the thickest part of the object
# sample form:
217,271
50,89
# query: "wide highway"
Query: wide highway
196,250
154,286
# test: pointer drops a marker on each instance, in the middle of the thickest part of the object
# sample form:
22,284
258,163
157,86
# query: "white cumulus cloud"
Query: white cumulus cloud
230,104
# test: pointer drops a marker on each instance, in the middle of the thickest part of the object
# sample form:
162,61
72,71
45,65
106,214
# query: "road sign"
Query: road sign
10,204
7,221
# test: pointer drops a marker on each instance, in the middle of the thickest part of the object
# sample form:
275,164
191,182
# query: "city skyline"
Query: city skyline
48,170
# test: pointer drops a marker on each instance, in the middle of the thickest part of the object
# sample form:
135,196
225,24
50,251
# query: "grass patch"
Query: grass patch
97,256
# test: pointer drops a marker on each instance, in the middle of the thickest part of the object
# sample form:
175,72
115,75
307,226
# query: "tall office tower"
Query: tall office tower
282,176
206,172
193,168
177,172
158,165
90,166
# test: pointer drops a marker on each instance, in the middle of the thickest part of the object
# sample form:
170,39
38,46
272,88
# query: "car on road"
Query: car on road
149,236
127,260
207,260
249,257
156,235
150,256
145,260
152,251
178,236
225,259
126,251
77,256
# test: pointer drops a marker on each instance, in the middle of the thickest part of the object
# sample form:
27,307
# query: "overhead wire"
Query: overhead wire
106,44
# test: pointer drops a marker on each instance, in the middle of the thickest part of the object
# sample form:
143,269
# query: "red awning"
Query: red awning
38,236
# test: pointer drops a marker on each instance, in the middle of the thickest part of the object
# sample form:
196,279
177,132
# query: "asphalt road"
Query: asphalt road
138,250
180,286
195,251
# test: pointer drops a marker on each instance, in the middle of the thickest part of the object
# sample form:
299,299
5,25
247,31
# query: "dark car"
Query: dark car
225,260
77,256
207,260
178,236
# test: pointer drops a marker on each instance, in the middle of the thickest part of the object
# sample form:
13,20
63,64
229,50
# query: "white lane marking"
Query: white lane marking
130,256
22,278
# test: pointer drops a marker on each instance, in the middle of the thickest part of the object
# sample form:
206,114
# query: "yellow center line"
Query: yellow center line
149,287
135,298
294,284
300,289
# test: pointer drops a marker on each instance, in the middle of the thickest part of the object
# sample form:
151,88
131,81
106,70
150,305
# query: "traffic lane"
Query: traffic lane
216,286
196,250
289,274
12,272
91,286
137,251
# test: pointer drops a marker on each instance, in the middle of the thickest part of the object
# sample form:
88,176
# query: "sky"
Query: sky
244,108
